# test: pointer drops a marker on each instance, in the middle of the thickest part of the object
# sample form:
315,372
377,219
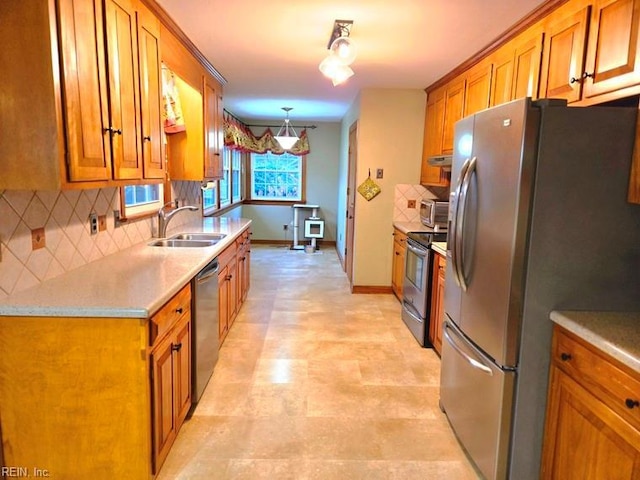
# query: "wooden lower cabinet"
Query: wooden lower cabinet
436,316
399,251
233,281
171,385
593,424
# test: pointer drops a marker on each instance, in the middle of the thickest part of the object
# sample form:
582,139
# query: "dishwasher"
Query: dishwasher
204,327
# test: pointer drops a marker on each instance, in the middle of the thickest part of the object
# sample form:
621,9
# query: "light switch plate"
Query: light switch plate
102,223
379,173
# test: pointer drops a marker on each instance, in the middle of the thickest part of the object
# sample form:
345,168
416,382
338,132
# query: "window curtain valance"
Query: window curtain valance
238,136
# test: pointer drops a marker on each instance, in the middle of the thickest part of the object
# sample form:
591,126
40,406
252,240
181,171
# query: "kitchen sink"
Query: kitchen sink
216,237
176,242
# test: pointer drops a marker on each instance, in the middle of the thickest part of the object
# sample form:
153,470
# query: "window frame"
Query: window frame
147,209
285,201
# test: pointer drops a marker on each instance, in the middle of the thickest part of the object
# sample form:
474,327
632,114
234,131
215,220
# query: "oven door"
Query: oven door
416,277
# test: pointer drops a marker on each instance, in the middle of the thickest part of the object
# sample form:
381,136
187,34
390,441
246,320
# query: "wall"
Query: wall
322,182
390,132
68,242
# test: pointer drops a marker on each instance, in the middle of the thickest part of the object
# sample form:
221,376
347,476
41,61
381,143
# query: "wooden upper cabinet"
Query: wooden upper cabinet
478,88
213,167
85,96
150,94
526,69
502,81
564,51
432,141
124,87
613,60
453,111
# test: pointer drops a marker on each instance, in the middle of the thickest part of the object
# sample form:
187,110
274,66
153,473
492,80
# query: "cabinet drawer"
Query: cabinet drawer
170,313
399,237
599,373
227,254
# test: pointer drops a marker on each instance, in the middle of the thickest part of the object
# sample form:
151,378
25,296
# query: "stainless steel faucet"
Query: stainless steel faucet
164,217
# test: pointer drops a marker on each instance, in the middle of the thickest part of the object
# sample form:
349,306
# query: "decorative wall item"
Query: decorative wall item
368,189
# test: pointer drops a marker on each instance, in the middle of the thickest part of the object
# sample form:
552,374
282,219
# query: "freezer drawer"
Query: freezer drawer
477,398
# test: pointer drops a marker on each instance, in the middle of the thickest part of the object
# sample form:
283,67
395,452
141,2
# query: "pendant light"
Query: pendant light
286,136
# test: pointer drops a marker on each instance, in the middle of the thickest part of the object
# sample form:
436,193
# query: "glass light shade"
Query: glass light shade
330,65
286,136
341,74
344,49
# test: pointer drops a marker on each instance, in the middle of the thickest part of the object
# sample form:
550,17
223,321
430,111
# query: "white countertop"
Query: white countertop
133,283
406,227
615,333
440,247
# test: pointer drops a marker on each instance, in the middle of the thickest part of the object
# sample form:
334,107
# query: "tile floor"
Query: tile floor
316,383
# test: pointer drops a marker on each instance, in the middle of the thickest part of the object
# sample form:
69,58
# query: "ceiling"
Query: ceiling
269,50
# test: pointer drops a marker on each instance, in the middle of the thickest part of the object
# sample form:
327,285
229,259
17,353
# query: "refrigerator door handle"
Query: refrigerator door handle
454,227
462,211
478,364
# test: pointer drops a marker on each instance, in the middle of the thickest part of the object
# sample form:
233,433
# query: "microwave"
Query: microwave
434,214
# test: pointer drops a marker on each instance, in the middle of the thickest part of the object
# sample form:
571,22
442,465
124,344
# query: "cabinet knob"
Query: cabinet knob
587,75
179,310
114,131
574,80
147,138
630,403
565,356
228,277
176,347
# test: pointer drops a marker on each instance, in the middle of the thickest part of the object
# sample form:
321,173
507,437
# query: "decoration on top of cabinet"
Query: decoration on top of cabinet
342,53
368,189
172,113
238,136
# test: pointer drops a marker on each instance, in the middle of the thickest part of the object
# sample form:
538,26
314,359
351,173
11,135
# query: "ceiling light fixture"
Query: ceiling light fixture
286,136
342,53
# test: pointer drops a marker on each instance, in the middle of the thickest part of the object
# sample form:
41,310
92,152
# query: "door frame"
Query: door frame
351,201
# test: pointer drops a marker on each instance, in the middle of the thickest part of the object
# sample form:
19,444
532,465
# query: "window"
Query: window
210,198
141,199
276,177
236,175
225,184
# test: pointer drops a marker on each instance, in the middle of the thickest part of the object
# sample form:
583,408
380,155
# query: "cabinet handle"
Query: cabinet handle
179,310
228,277
574,80
587,75
176,347
630,403
114,131
565,356
147,138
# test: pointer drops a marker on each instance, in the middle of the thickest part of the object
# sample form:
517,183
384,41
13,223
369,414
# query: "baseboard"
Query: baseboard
320,243
371,289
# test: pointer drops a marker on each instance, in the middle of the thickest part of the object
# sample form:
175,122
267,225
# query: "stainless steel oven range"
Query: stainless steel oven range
416,290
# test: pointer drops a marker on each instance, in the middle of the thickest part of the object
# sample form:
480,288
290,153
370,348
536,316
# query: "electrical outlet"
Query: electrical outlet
93,223
379,173
37,238
285,227
102,223
411,204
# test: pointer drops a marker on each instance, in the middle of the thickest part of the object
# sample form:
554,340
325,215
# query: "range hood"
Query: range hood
443,161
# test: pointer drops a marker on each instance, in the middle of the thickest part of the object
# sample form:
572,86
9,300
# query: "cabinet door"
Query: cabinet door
150,93
564,57
501,84
478,89
85,98
432,141
164,418
213,127
584,439
436,315
223,303
526,71
123,89
398,269
233,289
182,367
613,56
453,108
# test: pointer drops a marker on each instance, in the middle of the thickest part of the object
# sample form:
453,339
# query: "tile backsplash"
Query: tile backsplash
68,244
404,195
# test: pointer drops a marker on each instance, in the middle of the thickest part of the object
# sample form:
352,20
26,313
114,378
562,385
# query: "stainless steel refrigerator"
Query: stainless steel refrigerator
538,222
